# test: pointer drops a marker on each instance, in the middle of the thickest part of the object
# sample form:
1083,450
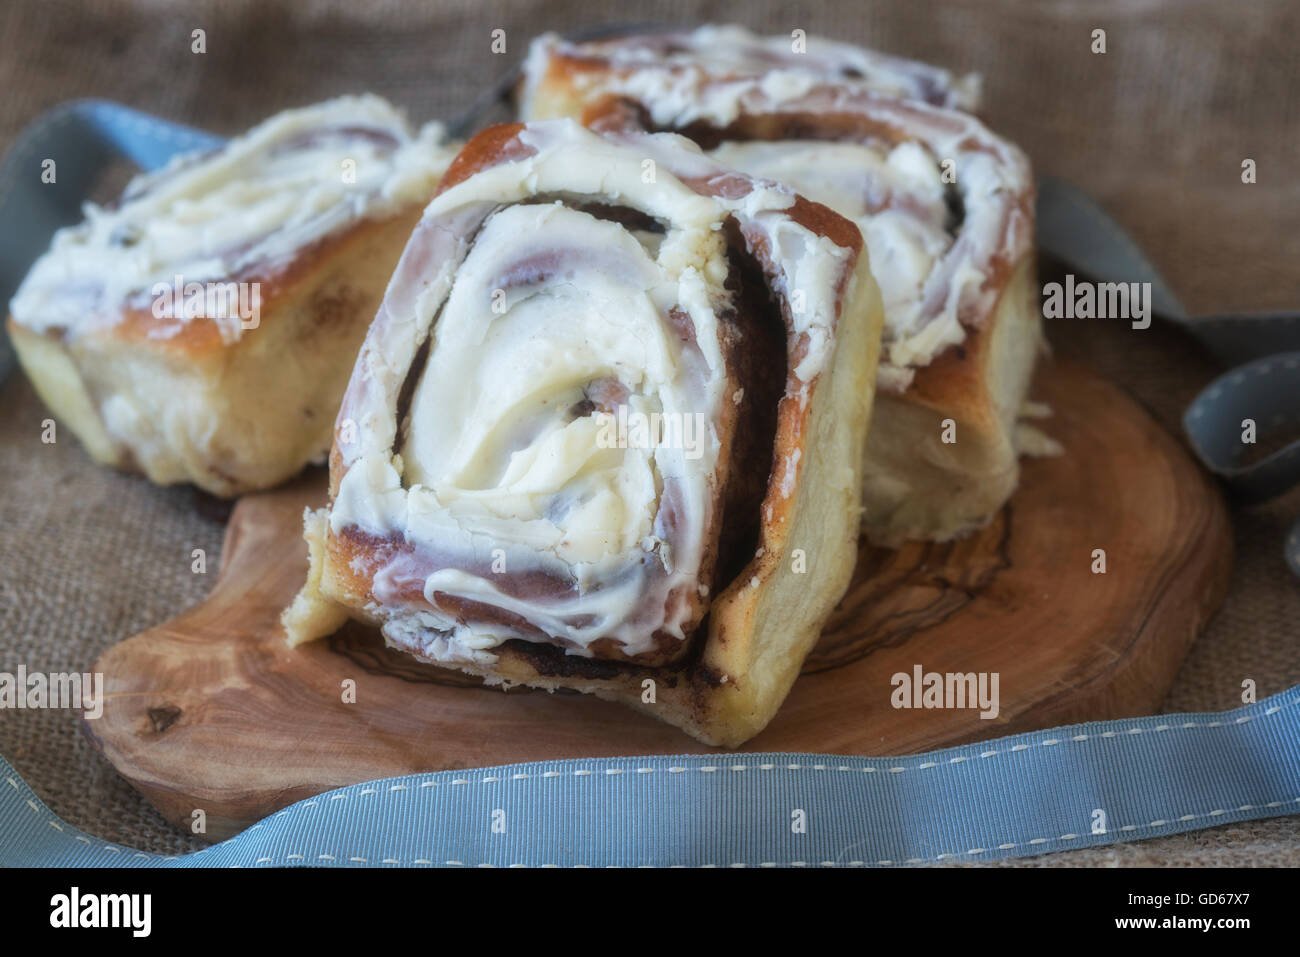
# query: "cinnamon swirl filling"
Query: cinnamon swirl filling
560,429
944,205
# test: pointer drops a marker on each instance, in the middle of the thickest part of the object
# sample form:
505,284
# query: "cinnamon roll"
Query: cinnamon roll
605,431
946,209
202,328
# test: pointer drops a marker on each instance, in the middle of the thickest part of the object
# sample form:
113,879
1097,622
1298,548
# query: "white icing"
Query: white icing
249,207
895,195
493,444
682,59
531,307
934,284
1034,442
1028,438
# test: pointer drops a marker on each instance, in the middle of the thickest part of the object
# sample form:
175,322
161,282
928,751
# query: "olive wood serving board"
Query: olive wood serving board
213,710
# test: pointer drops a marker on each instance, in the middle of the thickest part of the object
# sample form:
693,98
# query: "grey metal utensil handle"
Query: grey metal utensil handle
1260,397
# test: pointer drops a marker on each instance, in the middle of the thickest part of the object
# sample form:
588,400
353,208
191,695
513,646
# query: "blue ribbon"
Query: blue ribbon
1079,786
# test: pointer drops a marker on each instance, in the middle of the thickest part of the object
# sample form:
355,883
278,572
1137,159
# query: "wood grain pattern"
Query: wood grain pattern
212,710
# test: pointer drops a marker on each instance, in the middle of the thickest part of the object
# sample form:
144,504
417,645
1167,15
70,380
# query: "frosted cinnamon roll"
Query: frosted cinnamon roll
606,427
946,209
702,71
202,328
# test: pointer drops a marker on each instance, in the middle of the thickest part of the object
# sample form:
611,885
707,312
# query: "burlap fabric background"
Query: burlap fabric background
1156,129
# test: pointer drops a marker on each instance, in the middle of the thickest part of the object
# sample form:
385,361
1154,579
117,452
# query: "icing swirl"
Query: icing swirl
561,282
945,207
239,213
657,65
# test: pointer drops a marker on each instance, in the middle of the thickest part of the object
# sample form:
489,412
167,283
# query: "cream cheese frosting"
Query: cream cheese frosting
539,316
932,275
240,212
941,201
783,65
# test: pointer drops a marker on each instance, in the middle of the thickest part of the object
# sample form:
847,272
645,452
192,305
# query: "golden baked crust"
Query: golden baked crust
733,673
227,416
916,486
